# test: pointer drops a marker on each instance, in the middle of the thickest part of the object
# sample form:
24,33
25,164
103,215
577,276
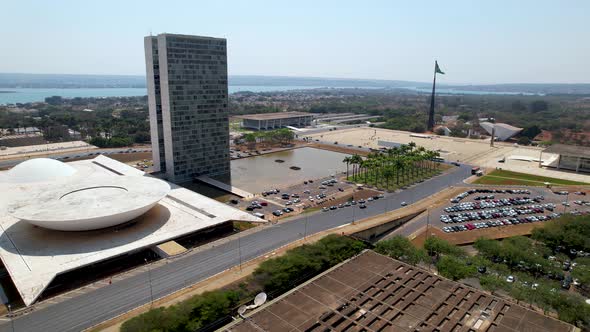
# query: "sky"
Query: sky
475,42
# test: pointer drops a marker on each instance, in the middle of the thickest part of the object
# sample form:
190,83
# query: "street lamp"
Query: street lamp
305,226
240,251
150,281
10,315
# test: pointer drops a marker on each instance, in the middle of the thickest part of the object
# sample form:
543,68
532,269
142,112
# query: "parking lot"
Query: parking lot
491,207
325,193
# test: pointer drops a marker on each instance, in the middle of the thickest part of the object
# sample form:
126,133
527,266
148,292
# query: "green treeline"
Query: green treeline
282,135
534,263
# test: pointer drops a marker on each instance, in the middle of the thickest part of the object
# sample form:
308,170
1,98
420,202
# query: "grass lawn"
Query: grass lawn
501,177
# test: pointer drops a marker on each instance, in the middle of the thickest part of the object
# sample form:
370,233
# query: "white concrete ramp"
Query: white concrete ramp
226,187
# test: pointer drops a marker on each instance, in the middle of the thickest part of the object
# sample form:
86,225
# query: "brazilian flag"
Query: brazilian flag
437,68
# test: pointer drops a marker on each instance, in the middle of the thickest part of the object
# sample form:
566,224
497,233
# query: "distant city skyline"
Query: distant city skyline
486,42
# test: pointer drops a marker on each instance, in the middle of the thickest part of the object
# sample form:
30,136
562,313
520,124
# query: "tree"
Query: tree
454,268
518,105
523,140
399,247
571,232
465,117
538,106
531,132
347,160
436,246
582,273
250,138
142,137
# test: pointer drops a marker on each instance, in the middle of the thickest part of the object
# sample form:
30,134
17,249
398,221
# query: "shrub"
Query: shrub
399,247
454,268
282,273
189,315
437,246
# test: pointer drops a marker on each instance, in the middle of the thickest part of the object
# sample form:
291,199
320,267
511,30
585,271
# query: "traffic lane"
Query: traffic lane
101,304
132,292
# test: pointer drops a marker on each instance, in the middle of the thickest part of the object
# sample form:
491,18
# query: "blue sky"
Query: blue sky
474,41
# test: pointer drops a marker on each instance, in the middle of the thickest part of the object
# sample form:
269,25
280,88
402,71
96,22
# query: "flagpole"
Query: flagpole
431,114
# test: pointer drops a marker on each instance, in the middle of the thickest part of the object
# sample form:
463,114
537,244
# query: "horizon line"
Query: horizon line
308,77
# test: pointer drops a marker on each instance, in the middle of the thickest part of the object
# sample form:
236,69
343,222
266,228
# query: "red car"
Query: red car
470,226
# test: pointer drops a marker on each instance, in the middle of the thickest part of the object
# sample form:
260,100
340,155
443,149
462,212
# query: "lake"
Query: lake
452,91
261,173
14,95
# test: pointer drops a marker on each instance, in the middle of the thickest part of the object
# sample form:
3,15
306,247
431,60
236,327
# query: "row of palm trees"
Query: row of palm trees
406,163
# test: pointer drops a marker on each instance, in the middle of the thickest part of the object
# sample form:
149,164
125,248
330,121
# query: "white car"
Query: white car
510,279
404,203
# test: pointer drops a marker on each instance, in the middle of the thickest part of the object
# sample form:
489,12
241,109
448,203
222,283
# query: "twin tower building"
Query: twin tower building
188,105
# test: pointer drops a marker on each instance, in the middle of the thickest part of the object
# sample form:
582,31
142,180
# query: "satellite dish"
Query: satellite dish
242,310
260,299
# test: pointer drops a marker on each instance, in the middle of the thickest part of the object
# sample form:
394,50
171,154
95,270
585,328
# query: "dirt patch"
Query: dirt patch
341,149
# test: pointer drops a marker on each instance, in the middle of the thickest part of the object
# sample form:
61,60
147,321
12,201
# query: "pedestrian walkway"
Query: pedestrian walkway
223,186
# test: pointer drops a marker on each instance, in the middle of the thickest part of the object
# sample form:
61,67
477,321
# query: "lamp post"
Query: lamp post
150,281
305,226
10,315
240,251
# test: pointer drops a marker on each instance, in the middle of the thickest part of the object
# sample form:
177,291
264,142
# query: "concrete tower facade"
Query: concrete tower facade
188,105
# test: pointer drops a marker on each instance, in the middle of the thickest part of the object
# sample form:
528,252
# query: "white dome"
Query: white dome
37,170
90,203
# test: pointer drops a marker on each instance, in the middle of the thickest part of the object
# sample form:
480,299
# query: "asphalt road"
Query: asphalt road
69,155
95,306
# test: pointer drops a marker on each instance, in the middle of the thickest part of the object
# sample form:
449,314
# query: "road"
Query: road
96,306
64,156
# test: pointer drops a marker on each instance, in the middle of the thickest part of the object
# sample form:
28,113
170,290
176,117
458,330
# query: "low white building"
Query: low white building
501,131
44,200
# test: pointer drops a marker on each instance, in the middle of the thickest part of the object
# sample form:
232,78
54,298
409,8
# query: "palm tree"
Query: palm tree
365,164
387,174
398,165
356,162
347,160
